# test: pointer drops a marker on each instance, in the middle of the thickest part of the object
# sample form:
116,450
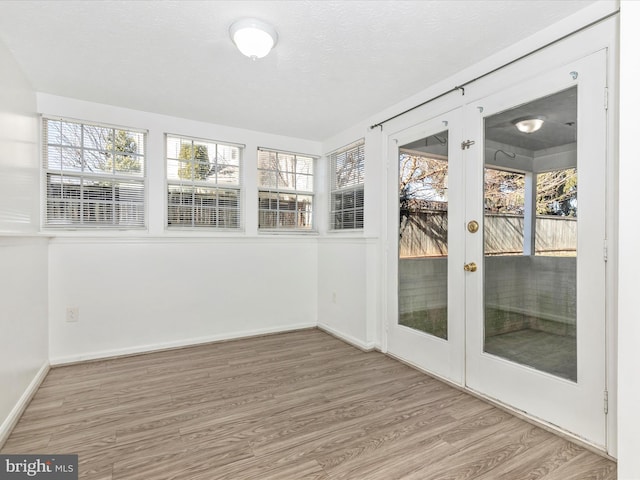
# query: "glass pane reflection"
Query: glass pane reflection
423,230
530,242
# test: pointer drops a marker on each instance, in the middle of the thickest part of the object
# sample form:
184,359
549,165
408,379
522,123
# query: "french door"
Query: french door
426,310
499,261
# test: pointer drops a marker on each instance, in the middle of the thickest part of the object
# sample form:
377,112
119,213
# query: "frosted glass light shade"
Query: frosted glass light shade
529,125
254,38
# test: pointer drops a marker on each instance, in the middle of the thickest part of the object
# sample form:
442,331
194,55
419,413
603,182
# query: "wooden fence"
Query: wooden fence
424,234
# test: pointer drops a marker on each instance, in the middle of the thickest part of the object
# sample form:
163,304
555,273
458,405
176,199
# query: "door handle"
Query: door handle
470,267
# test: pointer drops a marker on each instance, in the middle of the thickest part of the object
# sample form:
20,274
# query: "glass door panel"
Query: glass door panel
530,243
423,234
425,312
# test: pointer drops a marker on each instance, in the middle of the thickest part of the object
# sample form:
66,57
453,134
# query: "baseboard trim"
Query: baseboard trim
10,422
141,349
364,346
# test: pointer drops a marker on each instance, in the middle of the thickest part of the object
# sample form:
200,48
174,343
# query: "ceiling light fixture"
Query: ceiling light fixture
529,124
254,38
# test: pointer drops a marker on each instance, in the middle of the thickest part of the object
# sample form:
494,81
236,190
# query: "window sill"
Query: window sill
303,233
343,231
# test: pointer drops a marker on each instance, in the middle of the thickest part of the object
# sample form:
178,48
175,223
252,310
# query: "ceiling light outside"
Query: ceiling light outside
529,124
254,38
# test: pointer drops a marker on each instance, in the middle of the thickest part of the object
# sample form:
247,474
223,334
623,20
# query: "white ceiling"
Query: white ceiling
336,62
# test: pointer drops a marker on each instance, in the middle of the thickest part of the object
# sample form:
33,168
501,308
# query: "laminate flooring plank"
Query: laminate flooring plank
250,424
106,417
181,465
377,447
338,421
400,426
298,405
585,466
536,463
396,443
306,427
167,443
385,457
479,458
21,444
264,470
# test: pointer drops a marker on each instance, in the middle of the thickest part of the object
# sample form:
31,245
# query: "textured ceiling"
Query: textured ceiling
336,62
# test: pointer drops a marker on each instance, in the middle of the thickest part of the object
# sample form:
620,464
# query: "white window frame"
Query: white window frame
278,192
354,188
91,199
204,184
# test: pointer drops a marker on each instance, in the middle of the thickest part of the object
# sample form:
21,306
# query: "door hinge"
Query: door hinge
606,402
605,251
466,144
606,98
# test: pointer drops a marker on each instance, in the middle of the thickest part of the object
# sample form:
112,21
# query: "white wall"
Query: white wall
349,262
23,324
628,313
23,256
144,290
342,289
144,294
19,154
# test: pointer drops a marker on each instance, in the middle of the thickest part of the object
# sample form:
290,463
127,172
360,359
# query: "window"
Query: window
285,191
95,175
504,212
347,187
203,182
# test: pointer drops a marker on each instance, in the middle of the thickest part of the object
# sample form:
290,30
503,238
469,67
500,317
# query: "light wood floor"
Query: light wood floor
299,405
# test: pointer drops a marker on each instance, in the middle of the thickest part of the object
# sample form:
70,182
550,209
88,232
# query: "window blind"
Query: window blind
285,190
347,187
203,182
94,175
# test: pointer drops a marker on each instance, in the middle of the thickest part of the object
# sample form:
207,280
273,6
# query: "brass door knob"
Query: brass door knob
470,267
473,226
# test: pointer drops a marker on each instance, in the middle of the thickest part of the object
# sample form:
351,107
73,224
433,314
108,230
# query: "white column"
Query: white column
249,188
530,184
156,184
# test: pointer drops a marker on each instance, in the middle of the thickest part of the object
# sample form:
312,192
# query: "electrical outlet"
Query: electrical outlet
73,314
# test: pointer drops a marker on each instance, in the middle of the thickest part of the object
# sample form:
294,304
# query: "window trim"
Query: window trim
45,226
333,189
310,193
239,187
